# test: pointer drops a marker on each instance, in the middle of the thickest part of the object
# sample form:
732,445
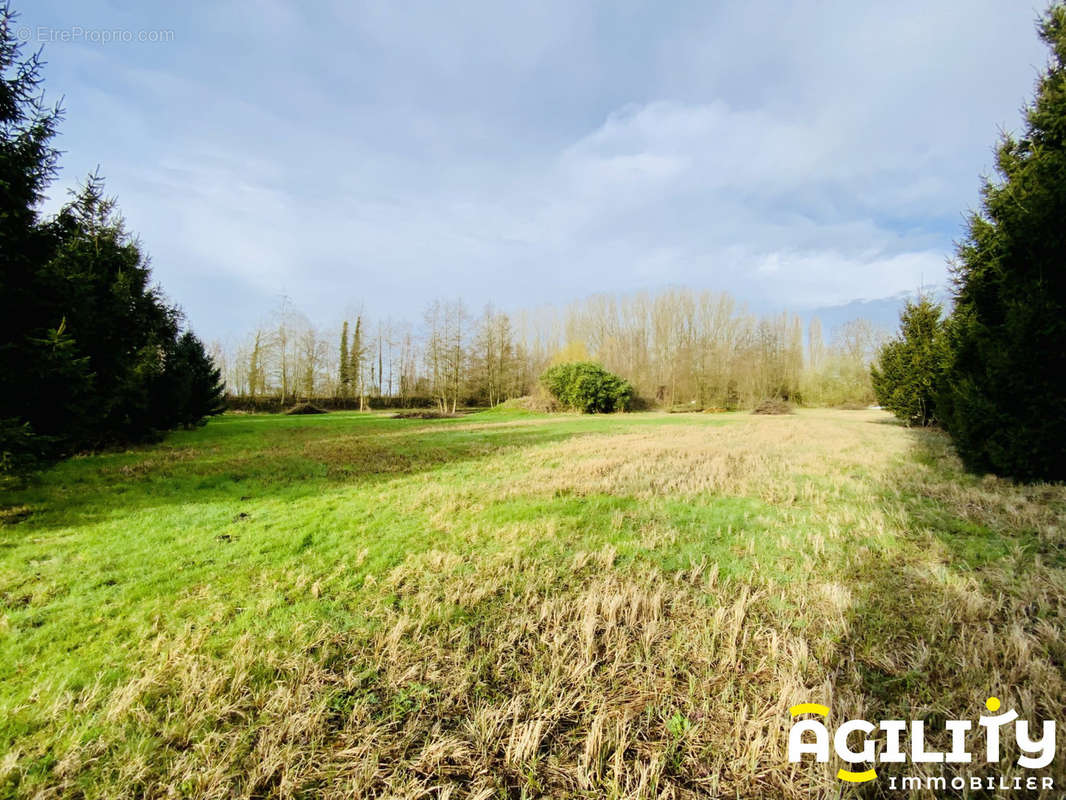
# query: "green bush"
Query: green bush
587,387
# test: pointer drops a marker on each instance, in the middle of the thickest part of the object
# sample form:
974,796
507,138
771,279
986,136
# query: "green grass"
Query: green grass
215,522
419,578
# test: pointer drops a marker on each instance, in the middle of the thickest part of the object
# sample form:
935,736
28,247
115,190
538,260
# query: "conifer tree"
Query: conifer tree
908,368
1003,398
193,386
89,347
30,340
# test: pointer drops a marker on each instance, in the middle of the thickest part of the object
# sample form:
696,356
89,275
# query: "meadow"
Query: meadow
512,605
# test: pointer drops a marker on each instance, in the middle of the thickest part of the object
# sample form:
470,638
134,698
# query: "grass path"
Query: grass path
509,605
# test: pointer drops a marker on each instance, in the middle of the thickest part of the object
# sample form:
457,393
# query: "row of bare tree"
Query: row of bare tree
677,347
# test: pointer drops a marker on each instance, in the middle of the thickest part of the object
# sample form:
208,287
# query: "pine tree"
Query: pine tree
32,338
100,281
89,348
908,368
61,379
27,165
193,384
1004,392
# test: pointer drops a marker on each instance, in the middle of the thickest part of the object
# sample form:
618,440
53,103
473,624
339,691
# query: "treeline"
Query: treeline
677,347
91,354
993,372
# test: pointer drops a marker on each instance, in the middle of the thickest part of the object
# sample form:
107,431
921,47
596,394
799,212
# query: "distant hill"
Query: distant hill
882,311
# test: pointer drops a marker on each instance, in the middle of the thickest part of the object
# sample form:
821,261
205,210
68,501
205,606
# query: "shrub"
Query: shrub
587,387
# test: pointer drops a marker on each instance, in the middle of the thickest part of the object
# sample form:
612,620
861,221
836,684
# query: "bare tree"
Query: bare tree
676,346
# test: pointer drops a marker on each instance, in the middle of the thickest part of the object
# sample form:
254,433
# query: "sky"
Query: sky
382,154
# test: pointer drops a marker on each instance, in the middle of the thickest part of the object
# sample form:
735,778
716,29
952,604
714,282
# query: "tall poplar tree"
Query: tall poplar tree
345,370
355,369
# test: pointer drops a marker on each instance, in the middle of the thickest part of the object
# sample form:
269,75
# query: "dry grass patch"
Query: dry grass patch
590,683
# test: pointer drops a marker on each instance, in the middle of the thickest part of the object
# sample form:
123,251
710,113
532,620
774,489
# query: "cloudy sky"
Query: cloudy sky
795,154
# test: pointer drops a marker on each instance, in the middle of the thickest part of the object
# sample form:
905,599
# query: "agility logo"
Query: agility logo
810,736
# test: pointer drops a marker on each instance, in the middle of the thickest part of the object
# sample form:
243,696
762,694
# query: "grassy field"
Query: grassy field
511,605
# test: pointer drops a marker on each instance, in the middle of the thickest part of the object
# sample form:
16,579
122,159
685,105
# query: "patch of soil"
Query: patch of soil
306,408
423,415
14,514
